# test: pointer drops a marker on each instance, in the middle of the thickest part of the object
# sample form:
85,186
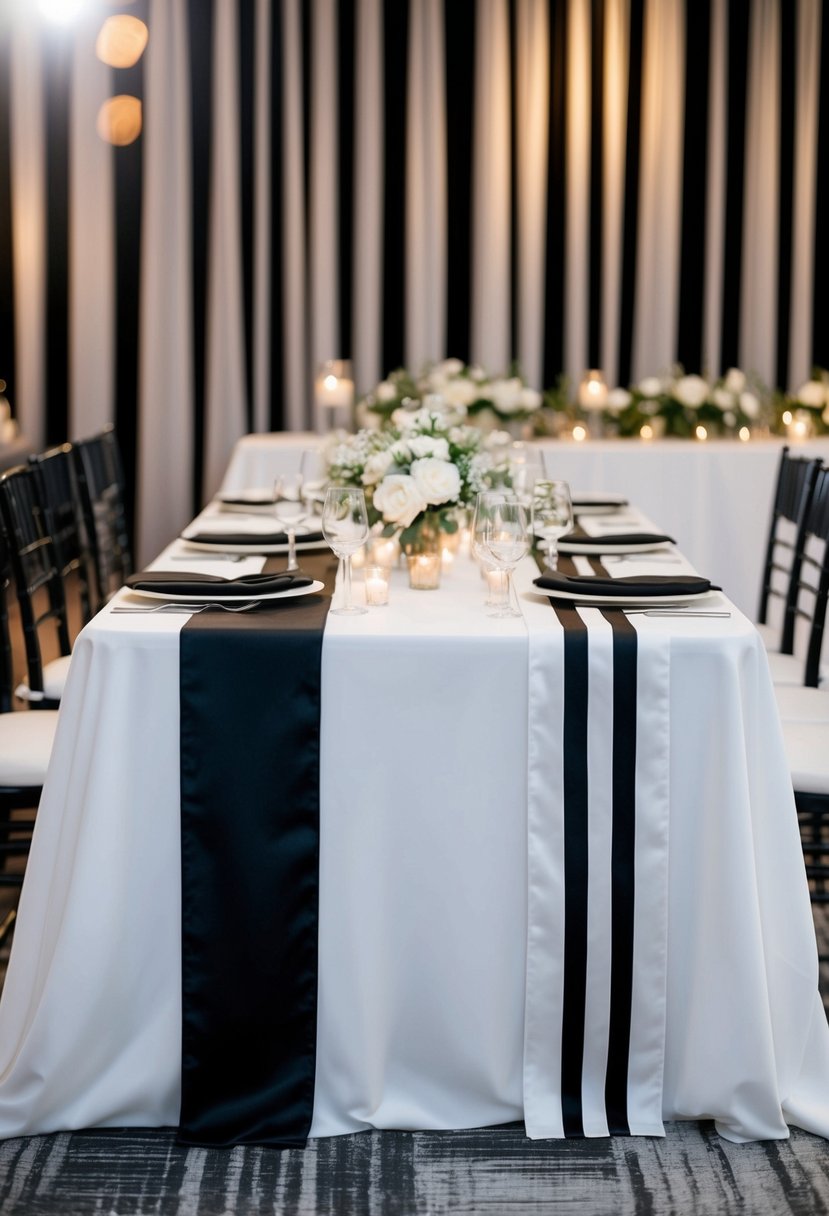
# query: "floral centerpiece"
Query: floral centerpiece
676,404
805,412
417,472
465,389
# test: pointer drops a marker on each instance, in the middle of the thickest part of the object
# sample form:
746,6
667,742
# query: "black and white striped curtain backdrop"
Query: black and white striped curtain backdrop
620,184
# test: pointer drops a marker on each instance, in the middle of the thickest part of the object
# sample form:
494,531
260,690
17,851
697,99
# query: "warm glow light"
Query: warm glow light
744,433
579,433
330,383
787,417
646,431
701,432
121,41
119,120
62,12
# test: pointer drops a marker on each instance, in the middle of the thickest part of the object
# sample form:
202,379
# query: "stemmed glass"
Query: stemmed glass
345,528
495,589
505,540
552,516
290,505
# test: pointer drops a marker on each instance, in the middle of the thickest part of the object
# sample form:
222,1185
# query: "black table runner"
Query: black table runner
250,718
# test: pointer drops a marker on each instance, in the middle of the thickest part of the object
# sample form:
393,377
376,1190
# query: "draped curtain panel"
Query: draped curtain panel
562,184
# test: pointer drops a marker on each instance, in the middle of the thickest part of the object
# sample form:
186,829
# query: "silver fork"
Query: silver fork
190,609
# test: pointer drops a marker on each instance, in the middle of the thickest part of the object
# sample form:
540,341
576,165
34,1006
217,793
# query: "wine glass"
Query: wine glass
345,528
291,506
506,541
552,516
524,470
495,579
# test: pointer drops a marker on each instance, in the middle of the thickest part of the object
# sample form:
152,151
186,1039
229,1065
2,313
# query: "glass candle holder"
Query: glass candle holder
424,571
377,585
385,551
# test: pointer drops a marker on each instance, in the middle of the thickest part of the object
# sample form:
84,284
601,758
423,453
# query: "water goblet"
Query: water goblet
552,517
345,528
495,579
506,541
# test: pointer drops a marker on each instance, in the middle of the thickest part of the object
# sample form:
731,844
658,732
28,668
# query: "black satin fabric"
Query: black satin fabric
250,719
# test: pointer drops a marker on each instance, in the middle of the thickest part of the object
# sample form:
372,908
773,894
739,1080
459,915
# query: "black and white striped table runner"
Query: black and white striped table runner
599,699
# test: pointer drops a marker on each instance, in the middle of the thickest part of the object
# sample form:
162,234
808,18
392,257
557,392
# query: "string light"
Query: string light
121,41
119,120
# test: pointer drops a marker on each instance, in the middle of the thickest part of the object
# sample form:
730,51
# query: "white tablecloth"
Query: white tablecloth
714,497
423,878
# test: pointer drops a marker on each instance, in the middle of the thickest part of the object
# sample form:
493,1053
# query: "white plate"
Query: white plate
254,548
625,601
204,597
584,550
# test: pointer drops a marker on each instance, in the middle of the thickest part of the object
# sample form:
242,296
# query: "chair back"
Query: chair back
6,658
786,536
101,491
57,485
34,566
811,593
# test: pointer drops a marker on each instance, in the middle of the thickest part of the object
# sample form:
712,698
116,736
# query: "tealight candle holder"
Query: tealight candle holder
377,585
424,571
385,551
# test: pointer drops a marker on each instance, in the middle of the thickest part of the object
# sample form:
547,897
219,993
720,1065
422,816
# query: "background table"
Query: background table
714,497
423,876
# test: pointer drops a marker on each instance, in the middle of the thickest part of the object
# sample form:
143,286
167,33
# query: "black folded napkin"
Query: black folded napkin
213,586
580,537
635,585
248,500
587,501
253,539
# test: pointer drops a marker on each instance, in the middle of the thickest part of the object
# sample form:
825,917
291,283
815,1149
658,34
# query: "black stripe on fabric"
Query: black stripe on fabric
737,72
247,76
513,179
128,189
201,108
554,269
785,177
57,99
630,223
575,866
820,329
7,325
623,870
460,110
345,149
695,184
395,42
596,183
276,411
250,871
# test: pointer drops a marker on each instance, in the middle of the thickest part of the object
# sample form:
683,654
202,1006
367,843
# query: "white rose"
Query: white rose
722,398
450,367
429,445
749,405
398,499
691,391
812,394
385,391
735,381
376,467
618,399
400,452
460,393
505,395
651,386
477,373
437,480
530,399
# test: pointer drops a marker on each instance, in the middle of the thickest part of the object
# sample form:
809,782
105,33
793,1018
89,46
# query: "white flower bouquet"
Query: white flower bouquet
417,472
462,389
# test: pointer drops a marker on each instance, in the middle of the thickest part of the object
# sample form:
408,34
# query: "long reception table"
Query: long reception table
714,496
474,967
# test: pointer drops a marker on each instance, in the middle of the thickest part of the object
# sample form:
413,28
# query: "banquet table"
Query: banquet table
715,496
433,772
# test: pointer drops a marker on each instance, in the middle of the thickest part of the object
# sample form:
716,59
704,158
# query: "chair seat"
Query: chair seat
807,750
54,682
802,704
25,746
